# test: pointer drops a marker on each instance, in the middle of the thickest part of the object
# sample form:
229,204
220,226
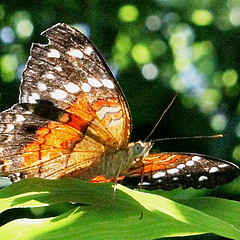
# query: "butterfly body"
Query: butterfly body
72,120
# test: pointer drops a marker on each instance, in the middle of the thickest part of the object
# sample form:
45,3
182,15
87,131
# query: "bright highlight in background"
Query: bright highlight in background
235,17
153,23
24,28
202,17
218,122
209,100
128,13
8,66
229,78
150,71
141,53
7,35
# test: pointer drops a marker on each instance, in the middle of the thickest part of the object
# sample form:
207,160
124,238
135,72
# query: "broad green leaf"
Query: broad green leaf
125,214
224,209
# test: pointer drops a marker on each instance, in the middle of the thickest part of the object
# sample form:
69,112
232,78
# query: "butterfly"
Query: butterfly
72,120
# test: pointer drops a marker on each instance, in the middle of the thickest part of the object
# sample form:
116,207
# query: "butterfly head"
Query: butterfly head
139,150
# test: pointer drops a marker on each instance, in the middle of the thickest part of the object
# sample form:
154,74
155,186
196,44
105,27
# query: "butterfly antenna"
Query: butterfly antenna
161,117
184,138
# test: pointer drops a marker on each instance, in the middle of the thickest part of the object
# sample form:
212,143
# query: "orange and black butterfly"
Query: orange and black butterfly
72,120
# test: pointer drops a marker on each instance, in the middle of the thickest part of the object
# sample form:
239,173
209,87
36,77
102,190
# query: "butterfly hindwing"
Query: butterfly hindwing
172,170
18,128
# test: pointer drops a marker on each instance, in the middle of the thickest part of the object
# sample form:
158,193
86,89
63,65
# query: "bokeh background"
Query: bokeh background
155,49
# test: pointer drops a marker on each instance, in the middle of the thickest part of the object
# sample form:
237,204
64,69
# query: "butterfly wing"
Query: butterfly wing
70,73
71,111
172,170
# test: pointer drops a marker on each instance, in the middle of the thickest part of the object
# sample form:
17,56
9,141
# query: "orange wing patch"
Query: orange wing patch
65,152
103,118
75,144
154,162
54,140
82,109
113,128
151,163
102,179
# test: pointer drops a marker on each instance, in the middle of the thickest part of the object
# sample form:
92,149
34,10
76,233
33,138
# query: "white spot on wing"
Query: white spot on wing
41,86
223,165
33,98
94,82
181,166
101,113
20,118
144,184
75,53
49,76
213,170
88,50
190,163
173,171
202,178
58,68
9,128
86,87
58,94
196,158
159,174
72,88
53,53
108,83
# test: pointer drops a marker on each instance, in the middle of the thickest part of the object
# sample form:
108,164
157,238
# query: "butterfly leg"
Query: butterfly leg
142,175
116,178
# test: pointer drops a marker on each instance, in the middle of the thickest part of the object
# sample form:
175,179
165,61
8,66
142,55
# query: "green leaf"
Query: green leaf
224,209
125,214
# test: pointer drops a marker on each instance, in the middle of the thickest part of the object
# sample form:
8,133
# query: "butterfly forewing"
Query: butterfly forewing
172,170
70,73
76,107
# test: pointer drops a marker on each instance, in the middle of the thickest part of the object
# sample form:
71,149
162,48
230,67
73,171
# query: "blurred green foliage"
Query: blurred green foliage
155,48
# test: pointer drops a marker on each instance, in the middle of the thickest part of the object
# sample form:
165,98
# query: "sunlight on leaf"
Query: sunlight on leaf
130,214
